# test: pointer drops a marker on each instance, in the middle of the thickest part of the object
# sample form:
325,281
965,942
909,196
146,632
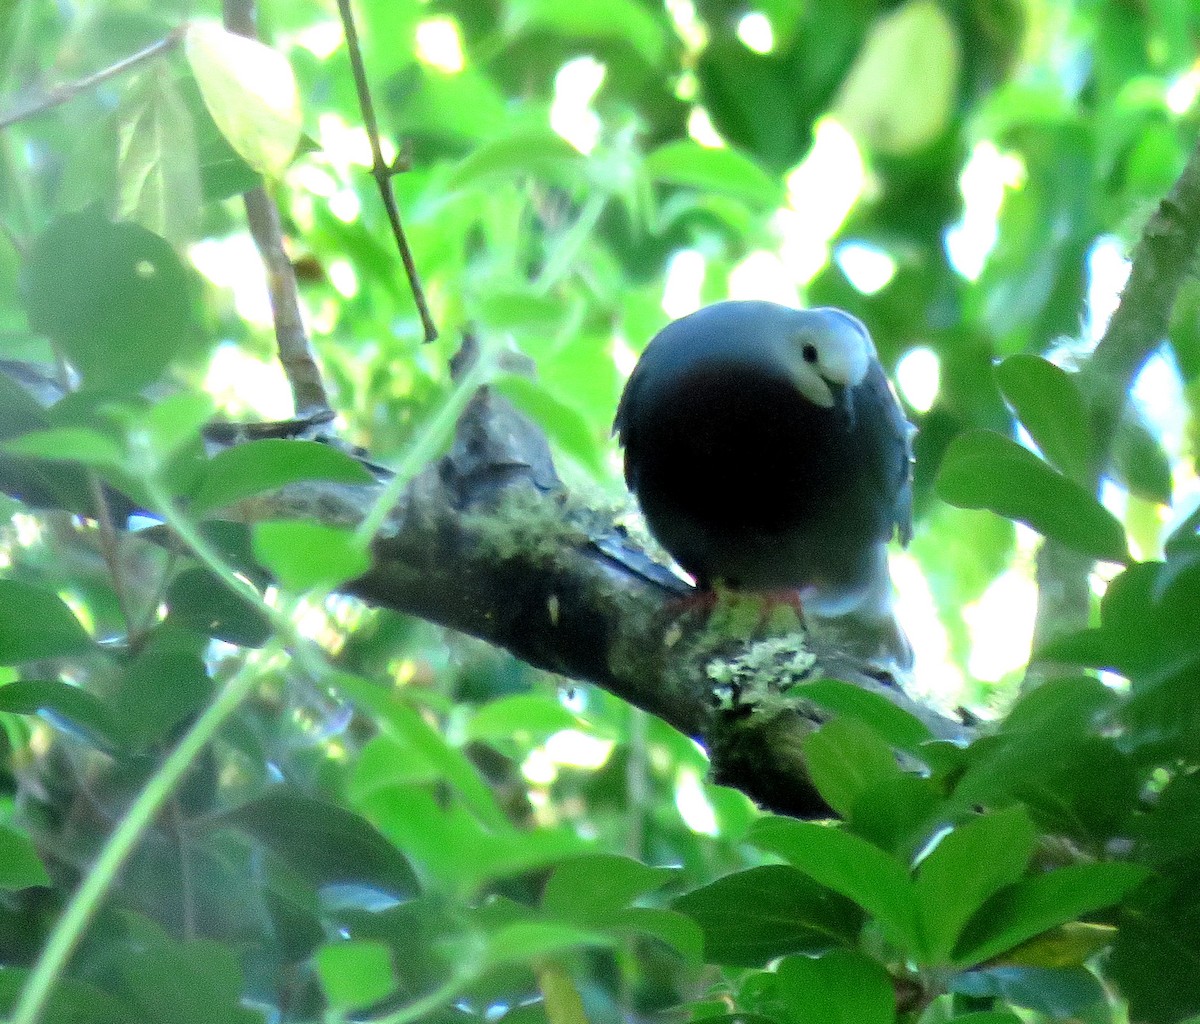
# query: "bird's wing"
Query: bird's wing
894,458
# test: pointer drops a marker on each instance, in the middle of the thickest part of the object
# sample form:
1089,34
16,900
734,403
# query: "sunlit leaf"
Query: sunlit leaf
982,469
1049,404
304,555
900,94
158,169
724,171
35,624
355,974
269,463
250,91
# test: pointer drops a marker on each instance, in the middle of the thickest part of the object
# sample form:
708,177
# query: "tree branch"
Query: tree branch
296,355
62,93
1164,257
487,541
382,172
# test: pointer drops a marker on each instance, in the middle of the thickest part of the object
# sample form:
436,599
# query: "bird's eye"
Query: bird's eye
809,352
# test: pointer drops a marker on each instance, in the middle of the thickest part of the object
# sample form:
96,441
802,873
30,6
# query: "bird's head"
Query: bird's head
828,352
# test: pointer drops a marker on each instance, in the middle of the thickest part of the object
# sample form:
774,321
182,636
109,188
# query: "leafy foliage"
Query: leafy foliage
343,813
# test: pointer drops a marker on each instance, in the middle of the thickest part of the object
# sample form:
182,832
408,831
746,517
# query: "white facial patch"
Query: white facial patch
844,349
813,386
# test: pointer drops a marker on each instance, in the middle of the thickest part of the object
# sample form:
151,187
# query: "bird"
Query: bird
768,452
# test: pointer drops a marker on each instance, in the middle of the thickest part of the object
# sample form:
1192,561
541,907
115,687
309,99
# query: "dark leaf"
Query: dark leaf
324,842
752,917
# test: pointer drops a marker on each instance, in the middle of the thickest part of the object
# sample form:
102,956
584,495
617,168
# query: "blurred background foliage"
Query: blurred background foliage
465,839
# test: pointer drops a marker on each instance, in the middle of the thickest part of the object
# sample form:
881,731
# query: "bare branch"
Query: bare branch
383,172
296,354
61,94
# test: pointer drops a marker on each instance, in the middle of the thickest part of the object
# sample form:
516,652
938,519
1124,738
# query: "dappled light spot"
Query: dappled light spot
343,278
935,676
693,805
575,749
918,377
702,130
685,277
571,116
439,45
868,267
240,383
755,31
1182,92
1001,626
982,183
1108,270
233,263
762,275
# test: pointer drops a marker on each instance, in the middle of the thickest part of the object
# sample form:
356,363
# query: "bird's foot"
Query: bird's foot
745,614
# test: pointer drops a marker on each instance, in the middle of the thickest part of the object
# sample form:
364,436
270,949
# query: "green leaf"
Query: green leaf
841,987
355,974
71,706
70,1002
20,865
564,424
251,93
160,689
114,297
751,917
673,929
70,444
982,469
170,425
590,890
897,813
1049,404
525,717
851,866
901,92
899,728
404,724
615,19
35,624
525,941
1019,912
1139,462
199,600
158,164
538,152
304,555
967,867
844,758
323,842
724,171
1059,993
194,982
273,462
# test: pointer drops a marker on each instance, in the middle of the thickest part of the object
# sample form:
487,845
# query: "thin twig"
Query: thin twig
383,172
187,885
110,541
296,354
1161,262
61,94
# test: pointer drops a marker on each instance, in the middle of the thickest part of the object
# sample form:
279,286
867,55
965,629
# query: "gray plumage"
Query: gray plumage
767,450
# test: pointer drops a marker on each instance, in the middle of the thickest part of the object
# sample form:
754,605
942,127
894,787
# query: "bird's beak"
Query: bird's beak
843,400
